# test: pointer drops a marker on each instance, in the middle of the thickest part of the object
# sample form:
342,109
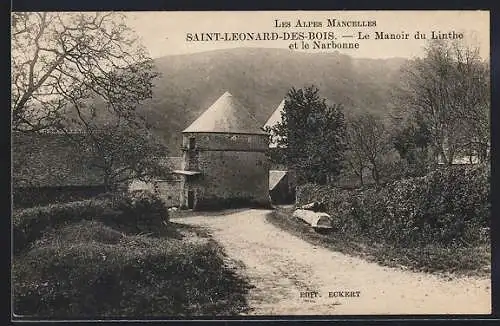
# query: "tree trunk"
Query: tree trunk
107,183
376,176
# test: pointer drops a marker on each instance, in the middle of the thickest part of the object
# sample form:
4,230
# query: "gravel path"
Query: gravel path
282,267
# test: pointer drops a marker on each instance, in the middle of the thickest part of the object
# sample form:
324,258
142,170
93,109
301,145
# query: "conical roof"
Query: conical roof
276,116
226,115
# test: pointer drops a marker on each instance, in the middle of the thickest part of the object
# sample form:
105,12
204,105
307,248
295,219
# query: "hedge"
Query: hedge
132,213
449,205
89,270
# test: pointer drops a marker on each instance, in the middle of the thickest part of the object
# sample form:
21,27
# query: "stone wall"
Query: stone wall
234,170
235,142
169,191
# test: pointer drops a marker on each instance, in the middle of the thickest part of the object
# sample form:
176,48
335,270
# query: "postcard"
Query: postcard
250,163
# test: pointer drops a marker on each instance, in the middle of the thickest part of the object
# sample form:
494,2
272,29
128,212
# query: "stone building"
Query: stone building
167,189
224,158
49,168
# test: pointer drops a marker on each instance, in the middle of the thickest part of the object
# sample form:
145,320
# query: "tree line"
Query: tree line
88,72
85,72
442,113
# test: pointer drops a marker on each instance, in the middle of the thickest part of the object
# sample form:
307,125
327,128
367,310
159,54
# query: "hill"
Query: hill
260,78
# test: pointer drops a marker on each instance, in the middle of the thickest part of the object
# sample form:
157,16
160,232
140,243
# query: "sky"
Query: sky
165,33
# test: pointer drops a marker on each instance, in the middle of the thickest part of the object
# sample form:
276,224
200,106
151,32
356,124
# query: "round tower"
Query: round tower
224,158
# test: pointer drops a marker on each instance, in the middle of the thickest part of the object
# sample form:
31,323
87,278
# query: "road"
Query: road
293,277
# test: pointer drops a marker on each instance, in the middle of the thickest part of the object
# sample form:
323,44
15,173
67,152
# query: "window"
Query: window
192,143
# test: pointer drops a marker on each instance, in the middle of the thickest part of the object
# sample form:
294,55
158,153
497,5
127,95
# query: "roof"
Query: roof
276,116
461,160
275,177
272,121
226,115
51,160
186,172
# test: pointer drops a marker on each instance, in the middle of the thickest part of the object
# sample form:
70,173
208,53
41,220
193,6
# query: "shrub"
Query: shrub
88,270
433,257
40,196
133,213
447,206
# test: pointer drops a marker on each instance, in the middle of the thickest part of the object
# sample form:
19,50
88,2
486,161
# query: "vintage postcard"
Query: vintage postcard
263,163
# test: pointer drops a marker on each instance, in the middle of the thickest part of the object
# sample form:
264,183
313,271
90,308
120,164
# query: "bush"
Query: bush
88,270
132,213
433,257
447,206
40,196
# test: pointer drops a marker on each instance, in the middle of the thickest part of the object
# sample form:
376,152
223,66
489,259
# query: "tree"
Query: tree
356,163
369,145
311,135
86,72
62,62
449,89
123,152
412,141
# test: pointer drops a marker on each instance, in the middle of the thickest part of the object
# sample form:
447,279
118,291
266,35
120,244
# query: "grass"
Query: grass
433,258
90,270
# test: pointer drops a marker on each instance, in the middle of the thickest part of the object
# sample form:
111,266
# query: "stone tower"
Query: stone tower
224,158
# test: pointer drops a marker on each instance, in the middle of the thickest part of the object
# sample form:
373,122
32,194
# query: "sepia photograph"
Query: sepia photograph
200,164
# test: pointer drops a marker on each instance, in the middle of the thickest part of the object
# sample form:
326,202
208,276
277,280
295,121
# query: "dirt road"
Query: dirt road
282,268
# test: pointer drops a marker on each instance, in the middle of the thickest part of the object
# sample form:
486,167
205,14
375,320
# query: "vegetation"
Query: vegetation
425,212
425,223
141,212
370,147
447,206
85,72
84,265
89,270
431,258
311,132
124,153
360,84
61,60
413,144
448,90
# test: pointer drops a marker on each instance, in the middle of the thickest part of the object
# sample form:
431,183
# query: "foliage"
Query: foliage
137,212
433,257
86,72
63,62
412,141
123,153
369,146
313,134
449,90
447,206
89,270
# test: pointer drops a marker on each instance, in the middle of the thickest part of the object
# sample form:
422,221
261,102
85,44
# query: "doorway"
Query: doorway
190,199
